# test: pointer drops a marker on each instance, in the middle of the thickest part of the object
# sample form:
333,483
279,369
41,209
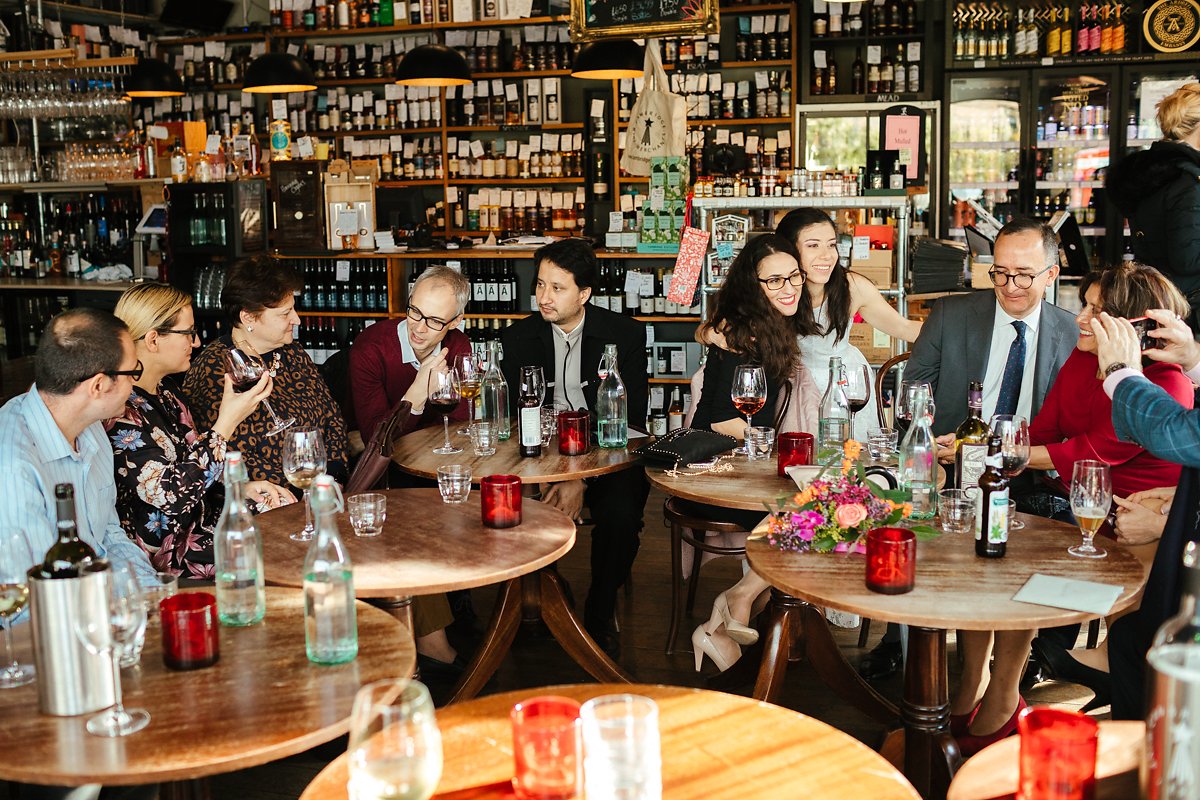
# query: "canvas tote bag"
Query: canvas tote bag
658,123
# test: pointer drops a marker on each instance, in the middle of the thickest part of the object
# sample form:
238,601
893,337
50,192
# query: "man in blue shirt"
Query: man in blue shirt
83,373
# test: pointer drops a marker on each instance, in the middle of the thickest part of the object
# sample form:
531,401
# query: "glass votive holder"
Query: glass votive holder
572,433
500,500
957,510
483,438
367,513
759,441
549,421
621,749
162,586
881,442
454,483
891,560
547,749
793,449
1058,755
189,631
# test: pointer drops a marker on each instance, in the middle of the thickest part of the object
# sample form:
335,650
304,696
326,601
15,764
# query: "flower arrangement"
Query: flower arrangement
833,514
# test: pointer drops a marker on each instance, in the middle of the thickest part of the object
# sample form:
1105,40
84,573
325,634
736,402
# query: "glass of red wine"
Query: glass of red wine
1013,431
245,369
858,390
749,394
445,393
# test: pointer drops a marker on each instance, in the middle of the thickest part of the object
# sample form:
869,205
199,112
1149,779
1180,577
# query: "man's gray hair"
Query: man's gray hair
1025,225
455,280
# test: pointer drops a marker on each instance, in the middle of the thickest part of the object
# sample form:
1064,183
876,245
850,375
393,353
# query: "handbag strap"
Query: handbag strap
656,76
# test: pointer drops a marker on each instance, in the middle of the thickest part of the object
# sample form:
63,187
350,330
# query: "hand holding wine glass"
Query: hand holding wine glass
15,561
1091,497
1013,431
245,369
304,459
470,381
749,394
444,396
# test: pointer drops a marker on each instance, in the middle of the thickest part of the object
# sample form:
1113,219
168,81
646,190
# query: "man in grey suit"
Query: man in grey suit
1011,340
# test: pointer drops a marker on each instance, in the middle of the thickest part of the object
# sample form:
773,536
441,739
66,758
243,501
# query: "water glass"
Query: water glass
759,442
957,509
163,585
483,438
881,442
367,513
794,449
549,420
891,560
1014,524
547,751
621,750
1058,755
454,482
189,631
500,500
395,745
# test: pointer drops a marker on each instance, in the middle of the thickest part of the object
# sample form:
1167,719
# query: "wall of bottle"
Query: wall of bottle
26,316
321,337
505,101
343,285
1003,31
888,69
767,93
545,155
92,229
517,211
533,48
316,15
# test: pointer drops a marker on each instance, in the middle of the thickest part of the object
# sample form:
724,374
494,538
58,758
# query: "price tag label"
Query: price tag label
914,51
722,136
658,198
646,284
212,144
464,149
550,140
819,60
861,248
452,194
724,249
616,221
278,109
510,148
874,54
356,103
157,132
476,148
751,145
535,143
597,107
510,92
523,152
305,145
343,267
395,142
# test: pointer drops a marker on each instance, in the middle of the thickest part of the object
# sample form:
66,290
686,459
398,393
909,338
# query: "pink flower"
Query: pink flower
850,515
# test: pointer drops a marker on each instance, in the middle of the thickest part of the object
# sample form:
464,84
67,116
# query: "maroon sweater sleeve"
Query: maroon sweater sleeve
368,377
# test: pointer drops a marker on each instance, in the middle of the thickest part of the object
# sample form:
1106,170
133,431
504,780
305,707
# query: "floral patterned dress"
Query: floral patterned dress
168,478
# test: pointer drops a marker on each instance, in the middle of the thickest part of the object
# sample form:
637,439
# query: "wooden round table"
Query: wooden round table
954,589
993,773
263,700
714,746
414,454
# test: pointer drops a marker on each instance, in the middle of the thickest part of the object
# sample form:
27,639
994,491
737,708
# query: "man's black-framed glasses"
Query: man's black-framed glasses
135,373
1022,280
416,315
776,282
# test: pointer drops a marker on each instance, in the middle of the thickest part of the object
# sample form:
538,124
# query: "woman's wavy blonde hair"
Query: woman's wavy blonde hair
1179,112
149,307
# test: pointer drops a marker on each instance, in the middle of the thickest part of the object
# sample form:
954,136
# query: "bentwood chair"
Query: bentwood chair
880,377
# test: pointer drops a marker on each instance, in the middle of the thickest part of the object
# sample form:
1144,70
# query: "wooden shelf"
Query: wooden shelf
521,315
550,126
701,123
667,318
100,15
874,38
423,28
778,62
513,181
523,73
742,9
172,41
336,82
60,284
681,381
345,314
376,133
405,184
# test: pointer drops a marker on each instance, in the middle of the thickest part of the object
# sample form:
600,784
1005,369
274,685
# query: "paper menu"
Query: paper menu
1075,595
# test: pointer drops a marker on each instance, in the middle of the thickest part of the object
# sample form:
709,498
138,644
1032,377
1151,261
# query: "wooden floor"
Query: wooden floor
643,616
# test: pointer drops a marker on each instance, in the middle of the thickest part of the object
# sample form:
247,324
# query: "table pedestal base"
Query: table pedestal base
930,753
538,596
195,789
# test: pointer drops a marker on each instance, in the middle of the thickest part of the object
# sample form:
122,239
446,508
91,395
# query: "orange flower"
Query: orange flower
803,497
907,509
853,449
847,465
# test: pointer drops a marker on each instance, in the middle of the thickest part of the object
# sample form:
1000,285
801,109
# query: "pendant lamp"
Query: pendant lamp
153,78
433,65
608,60
278,73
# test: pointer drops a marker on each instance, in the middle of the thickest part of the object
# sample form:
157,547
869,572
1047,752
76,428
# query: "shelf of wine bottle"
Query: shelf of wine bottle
353,287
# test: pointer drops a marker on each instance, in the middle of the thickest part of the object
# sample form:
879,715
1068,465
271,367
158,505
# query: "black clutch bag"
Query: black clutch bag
685,446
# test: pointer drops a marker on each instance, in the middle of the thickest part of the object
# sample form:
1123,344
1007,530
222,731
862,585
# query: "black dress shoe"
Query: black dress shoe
882,661
1035,673
436,669
1062,667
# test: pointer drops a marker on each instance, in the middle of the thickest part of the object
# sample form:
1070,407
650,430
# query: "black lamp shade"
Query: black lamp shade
152,78
433,65
609,59
278,73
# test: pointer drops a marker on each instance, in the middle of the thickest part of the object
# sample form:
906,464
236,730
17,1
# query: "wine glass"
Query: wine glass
470,381
303,460
749,394
1091,496
15,561
858,390
395,745
444,395
1013,431
125,621
904,400
245,369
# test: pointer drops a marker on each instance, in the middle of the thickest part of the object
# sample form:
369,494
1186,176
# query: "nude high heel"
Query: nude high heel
703,645
742,634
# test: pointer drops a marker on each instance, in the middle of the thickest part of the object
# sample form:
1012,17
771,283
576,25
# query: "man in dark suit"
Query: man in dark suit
566,338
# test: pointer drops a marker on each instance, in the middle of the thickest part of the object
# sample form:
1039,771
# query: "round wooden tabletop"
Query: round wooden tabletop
426,546
750,486
414,454
993,773
263,700
714,746
955,588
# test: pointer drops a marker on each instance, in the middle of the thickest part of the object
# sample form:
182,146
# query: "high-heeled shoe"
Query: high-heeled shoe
970,744
703,645
1061,666
742,634
960,722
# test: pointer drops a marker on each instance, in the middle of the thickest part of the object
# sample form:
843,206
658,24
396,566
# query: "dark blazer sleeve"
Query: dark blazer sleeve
368,383
631,362
1146,414
516,352
1183,225
925,362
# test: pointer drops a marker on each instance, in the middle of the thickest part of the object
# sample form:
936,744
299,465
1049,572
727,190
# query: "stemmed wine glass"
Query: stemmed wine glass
444,394
858,390
904,400
125,621
749,394
15,561
395,744
470,381
303,460
245,369
1013,431
1091,496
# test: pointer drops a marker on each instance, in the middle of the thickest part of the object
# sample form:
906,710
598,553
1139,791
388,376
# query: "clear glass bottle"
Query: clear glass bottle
918,459
833,425
495,394
237,553
330,621
612,404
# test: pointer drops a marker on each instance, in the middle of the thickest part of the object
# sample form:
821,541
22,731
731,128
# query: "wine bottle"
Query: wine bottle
675,411
69,555
237,553
971,441
991,506
330,621
529,415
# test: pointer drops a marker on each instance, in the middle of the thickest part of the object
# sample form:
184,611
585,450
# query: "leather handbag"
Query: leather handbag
685,446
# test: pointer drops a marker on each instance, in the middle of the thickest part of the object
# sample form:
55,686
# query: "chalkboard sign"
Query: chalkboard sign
628,19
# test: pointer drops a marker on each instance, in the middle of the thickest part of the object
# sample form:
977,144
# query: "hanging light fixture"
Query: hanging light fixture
609,60
278,73
433,65
153,78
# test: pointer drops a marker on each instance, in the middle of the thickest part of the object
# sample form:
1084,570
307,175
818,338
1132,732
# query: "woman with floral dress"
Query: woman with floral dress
168,474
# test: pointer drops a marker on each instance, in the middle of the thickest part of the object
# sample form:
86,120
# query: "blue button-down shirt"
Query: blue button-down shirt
34,457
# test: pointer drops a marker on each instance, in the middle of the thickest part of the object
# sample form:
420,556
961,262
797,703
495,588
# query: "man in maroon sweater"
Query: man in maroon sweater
391,360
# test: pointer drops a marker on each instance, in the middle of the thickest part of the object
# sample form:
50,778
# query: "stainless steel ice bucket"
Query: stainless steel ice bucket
1171,766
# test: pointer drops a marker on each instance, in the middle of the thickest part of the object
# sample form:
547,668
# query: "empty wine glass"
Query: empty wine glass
904,400
245,369
303,460
858,390
15,561
749,394
395,745
444,396
470,381
1091,497
125,621
1013,431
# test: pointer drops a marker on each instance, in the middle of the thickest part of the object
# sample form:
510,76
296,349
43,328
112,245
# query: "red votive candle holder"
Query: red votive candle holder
500,499
547,749
891,560
189,630
793,449
572,433
1058,755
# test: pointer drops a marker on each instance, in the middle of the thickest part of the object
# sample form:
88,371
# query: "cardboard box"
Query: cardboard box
350,188
879,234
980,267
875,345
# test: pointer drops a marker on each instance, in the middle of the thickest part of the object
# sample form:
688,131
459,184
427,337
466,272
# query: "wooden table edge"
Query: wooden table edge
554,477
674,487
